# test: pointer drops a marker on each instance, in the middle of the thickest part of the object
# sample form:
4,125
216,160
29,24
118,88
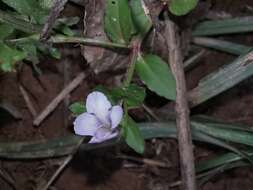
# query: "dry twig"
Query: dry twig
28,101
150,112
182,109
146,161
54,13
8,180
55,102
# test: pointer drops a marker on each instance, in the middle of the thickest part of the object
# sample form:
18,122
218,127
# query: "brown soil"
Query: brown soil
103,170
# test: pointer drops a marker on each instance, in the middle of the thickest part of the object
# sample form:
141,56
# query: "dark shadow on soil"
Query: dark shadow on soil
98,165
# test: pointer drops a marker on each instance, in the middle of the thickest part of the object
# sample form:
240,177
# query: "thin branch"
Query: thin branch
8,180
54,13
28,101
146,161
150,112
63,164
57,172
77,81
182,109
192,61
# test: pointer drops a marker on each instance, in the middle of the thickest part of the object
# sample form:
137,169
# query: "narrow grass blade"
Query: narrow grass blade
168,130
206,176
222,80
222,45
221,160
227,134
67,145
39,149
226,26
213,122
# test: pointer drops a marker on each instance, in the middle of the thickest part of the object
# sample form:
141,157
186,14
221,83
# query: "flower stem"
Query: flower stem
130,71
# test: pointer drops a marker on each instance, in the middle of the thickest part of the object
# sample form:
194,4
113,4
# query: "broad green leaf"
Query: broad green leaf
29,8
66,30
19,23
30,49
182,7
49,50
77,108
54,52
46,4
5,30
118,22
132,134
140,15
157,75
9,56
133,95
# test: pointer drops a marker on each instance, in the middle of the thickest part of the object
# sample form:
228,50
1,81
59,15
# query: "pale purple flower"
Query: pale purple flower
101,119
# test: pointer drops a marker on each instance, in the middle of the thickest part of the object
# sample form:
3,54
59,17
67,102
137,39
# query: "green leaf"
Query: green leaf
5,30
222,45
132,95
77,108
46,4
228,134
132,135
225,26
168,129
64,29
222,79
54,52
66,145
68,21
30,8
9,56
221,160
141,19
157,75
182,7
118,21
18,23
30,49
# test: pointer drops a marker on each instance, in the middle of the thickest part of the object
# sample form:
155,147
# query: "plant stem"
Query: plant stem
130,71
66,39
182,109
86,41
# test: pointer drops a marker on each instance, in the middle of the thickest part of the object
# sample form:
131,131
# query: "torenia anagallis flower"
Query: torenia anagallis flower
101,119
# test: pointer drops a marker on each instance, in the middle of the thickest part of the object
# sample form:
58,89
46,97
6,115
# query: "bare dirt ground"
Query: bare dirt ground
103,169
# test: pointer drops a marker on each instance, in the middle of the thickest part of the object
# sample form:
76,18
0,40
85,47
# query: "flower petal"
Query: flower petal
98,104
86,124
116,115
103,134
